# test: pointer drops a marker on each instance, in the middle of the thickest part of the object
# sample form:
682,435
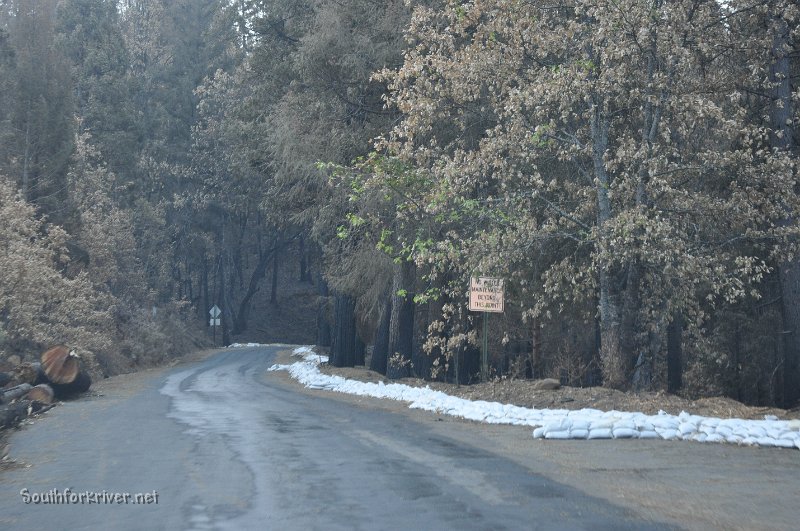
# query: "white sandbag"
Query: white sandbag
765,441
649,434
668,434
708,430
580,424
560,435
599,433
724,431
625,433
601,424
665,423
579,433
687,428
784,443
715,438
539,432
789,435
775,432
559,425
625,424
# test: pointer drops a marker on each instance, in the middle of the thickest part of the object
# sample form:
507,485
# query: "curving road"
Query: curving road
226,445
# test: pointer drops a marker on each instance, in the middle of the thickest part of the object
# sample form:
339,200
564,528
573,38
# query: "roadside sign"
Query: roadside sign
486,295
215,321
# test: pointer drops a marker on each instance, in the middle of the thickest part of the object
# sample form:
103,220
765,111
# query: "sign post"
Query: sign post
214,322
486,295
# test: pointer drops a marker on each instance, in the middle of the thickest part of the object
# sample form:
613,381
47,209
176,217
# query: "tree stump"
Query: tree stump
60,365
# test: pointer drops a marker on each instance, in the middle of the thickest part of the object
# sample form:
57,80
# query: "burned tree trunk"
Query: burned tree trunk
344,332
323,326
536,361
273,294
240,319
782,139
359,356
674,355
380,351
401,321
222,296
304,276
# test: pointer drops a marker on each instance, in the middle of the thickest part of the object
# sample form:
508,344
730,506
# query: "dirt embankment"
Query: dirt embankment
524,393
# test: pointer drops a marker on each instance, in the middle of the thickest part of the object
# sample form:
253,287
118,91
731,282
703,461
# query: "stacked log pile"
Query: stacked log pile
33,387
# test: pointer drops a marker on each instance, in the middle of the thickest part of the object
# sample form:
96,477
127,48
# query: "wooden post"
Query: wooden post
485,351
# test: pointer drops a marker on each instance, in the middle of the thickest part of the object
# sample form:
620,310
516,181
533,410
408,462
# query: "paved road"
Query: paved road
226,445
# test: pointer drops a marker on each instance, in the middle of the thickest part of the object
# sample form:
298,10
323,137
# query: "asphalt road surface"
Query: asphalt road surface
223,444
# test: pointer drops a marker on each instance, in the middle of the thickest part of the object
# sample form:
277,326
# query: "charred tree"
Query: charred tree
359,356
224,299
240,319
536,362
301,244
401,321
783,140
380,350
323,325
675,355
273,294
421,362
343,348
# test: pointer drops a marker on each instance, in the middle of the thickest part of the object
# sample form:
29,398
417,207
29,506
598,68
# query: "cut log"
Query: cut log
29,373
12,393
41,393
13,414
80,384
60,365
